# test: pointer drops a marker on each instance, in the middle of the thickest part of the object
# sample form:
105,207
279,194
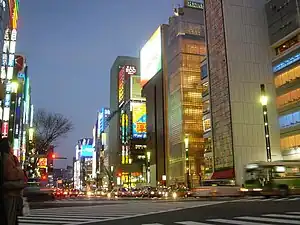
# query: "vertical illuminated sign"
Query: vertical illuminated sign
121,85
139,129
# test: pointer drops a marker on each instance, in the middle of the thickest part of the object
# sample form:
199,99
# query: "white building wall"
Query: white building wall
249,65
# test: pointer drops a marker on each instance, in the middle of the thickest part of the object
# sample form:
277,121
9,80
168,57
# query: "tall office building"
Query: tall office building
100,138
238,63
127,125
284,36
186,50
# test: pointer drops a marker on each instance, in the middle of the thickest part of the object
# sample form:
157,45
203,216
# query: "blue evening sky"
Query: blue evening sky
70,46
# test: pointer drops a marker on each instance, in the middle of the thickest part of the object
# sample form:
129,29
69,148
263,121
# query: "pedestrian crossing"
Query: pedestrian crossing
260,199
265,219
98,213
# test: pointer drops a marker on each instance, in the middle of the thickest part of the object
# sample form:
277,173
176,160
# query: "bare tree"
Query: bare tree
49,128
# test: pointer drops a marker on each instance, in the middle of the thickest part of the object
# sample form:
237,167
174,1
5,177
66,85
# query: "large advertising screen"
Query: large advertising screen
151,57
121,85
86,147
139,128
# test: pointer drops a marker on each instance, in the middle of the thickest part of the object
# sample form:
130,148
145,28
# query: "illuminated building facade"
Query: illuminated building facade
8,65
238,62
4,19
285,45
206,121
154,83
83,163
100,139
127,138
186,51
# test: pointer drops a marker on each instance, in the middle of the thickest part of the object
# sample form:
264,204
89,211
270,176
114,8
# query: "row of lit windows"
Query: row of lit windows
289,120
290,142
286,45
193,47
287,76
290,97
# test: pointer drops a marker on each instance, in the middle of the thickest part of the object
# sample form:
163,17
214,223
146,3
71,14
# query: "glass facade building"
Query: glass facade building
186,51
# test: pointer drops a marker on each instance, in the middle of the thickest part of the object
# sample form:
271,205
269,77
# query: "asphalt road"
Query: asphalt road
157,212
286,212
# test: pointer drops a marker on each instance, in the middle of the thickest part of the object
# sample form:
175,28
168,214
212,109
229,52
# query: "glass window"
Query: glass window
288,98
289,120
206,125
287,76
286,45
290,142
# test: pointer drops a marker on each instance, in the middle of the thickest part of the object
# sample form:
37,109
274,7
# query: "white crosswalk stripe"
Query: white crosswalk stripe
259,199
97,213
266,219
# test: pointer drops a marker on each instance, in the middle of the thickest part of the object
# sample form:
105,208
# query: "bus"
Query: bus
278,178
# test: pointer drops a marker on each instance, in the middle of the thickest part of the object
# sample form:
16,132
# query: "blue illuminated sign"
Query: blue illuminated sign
103,120
286,63
86,147
7,100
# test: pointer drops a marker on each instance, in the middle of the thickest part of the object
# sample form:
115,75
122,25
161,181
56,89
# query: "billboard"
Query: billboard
135,88
151,57
121,89
86,147
139,129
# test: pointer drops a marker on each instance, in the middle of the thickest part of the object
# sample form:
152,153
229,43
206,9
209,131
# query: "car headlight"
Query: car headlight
174,195
152,192
89,193
166,194
159,193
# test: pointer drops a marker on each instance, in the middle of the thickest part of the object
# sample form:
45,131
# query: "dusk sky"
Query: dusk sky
70,46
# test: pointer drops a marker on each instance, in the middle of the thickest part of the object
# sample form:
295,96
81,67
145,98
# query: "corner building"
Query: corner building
238,63
284,36
127,137
186,50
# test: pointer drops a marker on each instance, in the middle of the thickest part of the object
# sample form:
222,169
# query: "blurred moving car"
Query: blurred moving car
34,193
181,192
74,193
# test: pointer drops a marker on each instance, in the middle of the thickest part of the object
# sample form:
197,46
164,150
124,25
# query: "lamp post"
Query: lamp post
264,102
187,161
148,167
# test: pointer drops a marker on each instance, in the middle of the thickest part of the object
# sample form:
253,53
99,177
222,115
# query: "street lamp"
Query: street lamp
187,160
264,102
148,166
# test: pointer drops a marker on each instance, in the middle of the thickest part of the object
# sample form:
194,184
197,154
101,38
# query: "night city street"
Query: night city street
186,212
160,112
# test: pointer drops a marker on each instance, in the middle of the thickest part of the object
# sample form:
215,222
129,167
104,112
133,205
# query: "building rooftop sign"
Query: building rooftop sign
195,4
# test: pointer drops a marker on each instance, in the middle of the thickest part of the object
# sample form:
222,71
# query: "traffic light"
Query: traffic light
53,156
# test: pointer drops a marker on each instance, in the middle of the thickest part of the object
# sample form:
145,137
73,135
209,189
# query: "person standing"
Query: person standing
13,183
